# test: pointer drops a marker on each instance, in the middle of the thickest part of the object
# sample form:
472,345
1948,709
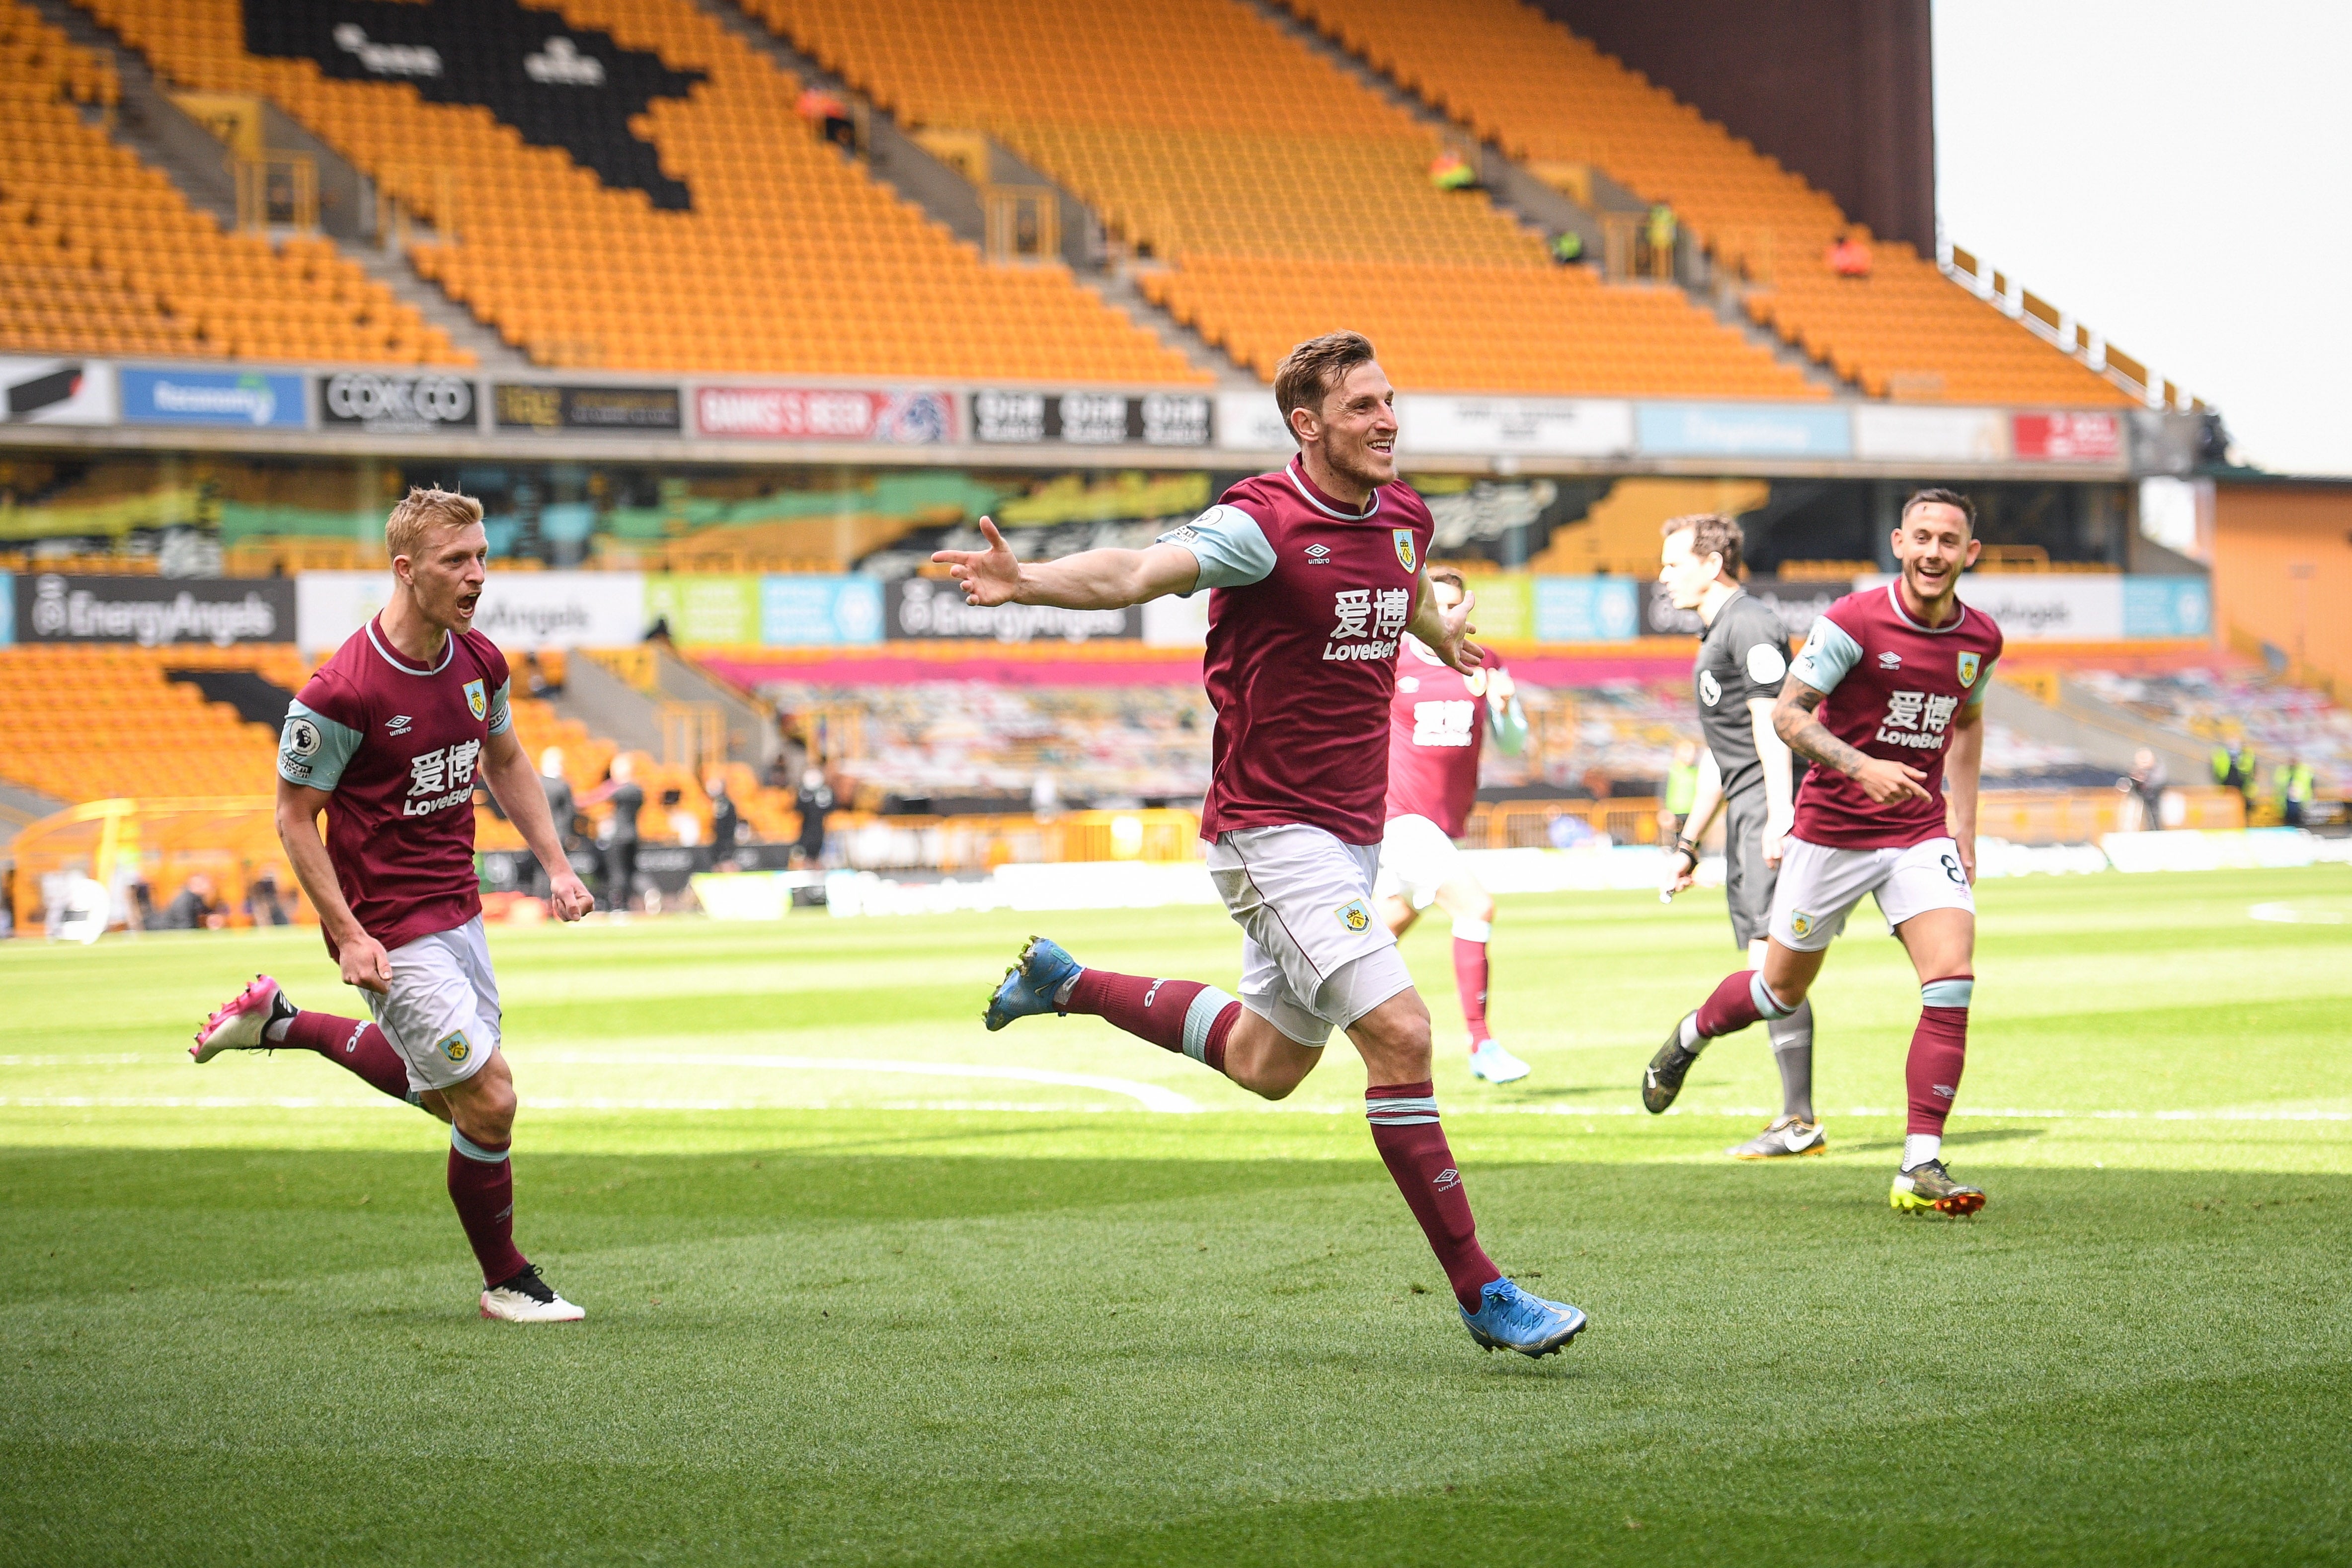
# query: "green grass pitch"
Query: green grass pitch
866,1284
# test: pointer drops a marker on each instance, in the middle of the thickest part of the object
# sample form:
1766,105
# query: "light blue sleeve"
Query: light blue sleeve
1983,685
1230,546
502,708
1827,656
313,750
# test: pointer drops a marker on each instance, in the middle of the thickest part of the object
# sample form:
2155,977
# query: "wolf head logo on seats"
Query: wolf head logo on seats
558,85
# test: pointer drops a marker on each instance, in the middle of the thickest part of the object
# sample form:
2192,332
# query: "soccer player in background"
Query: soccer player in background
1315,575
1438,724
1746,769
1887,701
386,739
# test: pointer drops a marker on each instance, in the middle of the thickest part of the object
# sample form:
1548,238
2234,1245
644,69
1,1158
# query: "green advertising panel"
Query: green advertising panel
1506,607
717,611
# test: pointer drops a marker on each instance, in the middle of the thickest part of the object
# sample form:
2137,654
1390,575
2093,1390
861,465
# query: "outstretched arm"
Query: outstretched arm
1090,580
1793,721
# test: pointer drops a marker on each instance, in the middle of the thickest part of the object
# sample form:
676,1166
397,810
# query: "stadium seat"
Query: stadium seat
787,257
1283,198
1546,95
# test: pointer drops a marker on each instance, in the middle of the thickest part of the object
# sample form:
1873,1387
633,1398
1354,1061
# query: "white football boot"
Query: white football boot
528,1299
1789,1135
238,1024
1490,1061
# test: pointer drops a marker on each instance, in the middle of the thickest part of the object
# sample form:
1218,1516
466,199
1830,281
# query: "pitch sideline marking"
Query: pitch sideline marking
1151,1097
2283,912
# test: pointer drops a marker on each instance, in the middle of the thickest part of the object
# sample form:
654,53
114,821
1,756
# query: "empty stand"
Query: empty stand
748,245
1546,95
101,254
1290,198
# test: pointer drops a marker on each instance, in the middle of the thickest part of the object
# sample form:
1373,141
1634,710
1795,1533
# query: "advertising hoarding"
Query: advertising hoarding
1884,434
1091,418
237,399
1526,426
923,609
2068,438
825,413
520,611
395,403
625,410
1743,430
1799,604
57,390
152,611
1586,610
714,610
820,611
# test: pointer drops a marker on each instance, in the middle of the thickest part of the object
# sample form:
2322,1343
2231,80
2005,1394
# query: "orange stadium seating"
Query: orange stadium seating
100,253
789,259
1291,198
1547,96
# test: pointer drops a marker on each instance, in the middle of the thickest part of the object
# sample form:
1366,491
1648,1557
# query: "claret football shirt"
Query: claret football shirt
1895,687
397,746
1308,604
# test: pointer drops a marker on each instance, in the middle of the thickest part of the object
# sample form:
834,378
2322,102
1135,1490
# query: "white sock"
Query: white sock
1918,1148
1692,1039
1062,992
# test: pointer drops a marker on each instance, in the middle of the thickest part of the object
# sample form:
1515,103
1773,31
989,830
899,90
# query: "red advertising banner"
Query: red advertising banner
2068,438
825,413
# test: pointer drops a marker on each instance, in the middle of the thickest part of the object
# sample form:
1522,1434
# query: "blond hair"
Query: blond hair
1308,373
421,509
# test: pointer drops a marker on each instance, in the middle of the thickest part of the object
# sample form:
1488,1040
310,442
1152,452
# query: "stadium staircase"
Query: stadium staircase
950,198
1546,98
1278,194
709,229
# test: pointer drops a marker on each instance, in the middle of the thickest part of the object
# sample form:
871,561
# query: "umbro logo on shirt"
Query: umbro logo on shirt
1318,554
1890,661
398,724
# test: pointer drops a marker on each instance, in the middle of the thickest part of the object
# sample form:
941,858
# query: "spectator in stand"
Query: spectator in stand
262,903
195,908
1849,255
2233,768
814,802
1450,171
2294,784
726,822
1659,233
534,679
827,116
619,840
2145,784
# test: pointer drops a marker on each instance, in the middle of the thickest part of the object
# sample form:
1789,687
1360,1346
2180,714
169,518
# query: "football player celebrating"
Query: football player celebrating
386,739
1886,699
1438,724
1314,574
1745,768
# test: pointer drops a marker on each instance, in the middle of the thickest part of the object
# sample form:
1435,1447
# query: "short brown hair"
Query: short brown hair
1440,572
1308,373
1953,499
1711,533
426,507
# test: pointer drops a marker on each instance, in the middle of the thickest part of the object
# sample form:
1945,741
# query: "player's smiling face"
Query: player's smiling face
1932,546
1358,428
447,575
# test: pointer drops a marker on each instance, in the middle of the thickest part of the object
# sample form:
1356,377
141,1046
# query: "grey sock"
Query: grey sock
1792,1051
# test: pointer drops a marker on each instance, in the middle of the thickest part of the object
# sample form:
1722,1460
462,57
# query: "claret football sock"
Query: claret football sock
1792,1052
481,1187
1742,999
1471,975
1940,1049
1175,1015
1411,1142
359,1048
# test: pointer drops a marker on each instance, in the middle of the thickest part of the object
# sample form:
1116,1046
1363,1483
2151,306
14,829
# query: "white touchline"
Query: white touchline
2286,913
1151,1097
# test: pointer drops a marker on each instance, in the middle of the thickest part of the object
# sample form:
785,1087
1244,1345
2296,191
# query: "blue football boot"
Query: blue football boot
1030,986
1510,1319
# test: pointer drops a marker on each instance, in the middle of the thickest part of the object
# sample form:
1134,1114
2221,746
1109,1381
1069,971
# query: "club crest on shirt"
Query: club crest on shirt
1408,556
1800,925
1355,915
476,702
1969,664
454,1045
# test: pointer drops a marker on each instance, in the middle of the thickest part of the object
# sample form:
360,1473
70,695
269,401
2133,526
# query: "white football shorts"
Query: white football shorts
442,1016
1314,952
1820,885
1416,860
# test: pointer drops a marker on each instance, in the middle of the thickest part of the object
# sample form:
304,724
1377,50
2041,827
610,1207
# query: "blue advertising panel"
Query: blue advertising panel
2168,607
1743,430
249,399
820,611
8,608
1588,609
